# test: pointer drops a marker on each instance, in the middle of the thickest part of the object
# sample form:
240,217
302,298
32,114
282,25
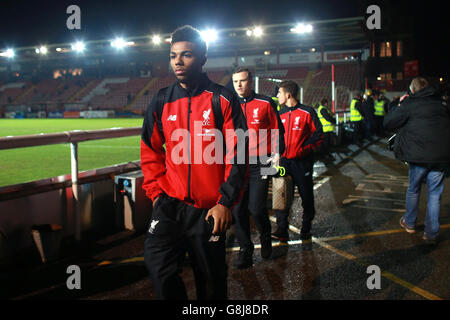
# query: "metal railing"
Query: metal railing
72,137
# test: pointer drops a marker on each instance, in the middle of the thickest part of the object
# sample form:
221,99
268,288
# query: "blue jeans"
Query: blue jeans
435,187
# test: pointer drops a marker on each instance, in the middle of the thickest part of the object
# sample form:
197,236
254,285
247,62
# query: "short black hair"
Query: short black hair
190,34
244,69
290,87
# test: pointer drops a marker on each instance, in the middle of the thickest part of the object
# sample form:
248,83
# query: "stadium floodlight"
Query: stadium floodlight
9,53
249,33
209,35
42,50
302,28
78,46
258,32
156,39
118,43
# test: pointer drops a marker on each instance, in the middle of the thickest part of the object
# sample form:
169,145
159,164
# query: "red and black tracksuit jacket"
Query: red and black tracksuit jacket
303,131
202,185
262,120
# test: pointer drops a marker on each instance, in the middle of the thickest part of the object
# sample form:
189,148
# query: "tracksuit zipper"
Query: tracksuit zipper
189,199
245,108
289,131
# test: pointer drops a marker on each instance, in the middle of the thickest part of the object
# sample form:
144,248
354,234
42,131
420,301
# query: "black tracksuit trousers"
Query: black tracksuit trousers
254,202
358,131
176,228
301,171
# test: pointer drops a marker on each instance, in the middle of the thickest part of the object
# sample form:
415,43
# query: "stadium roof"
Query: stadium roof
332,34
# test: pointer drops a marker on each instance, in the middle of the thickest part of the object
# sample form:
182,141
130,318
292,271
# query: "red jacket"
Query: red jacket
181,171
261,114
303,131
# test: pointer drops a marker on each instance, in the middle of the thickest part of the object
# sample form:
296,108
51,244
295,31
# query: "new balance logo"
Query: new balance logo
152,226
172,117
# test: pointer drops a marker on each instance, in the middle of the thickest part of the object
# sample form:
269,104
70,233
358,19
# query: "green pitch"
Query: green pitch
33,163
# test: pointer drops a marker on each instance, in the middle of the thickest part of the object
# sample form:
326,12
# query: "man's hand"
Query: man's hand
404,97
156,200
222,218
274,160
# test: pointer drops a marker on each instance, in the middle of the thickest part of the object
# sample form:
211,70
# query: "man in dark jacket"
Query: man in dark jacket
422,121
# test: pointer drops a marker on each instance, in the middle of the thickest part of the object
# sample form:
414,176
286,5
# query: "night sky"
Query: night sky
31,22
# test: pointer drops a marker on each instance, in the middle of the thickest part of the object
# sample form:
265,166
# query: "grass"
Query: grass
33,163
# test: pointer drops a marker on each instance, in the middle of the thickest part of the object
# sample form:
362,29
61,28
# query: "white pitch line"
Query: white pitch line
366,198
378,208
360,187
389,182
321,182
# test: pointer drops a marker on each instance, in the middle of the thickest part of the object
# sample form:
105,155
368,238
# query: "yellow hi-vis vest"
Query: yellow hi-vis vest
379,108
327,125
275,99
354,113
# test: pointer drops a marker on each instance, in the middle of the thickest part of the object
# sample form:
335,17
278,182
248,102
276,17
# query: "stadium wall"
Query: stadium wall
51,201
287,59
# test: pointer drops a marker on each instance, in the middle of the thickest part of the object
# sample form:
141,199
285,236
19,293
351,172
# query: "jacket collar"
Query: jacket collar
425,92
202,83
297,106
247,99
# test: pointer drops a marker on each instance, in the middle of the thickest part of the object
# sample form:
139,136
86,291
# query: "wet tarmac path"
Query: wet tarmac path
359,199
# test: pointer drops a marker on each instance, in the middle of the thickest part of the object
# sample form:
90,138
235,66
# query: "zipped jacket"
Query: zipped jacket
303,131
422,123
192,168
262,121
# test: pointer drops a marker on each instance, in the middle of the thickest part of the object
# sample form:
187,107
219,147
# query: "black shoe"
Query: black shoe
266,246
431,241
244,260
282,236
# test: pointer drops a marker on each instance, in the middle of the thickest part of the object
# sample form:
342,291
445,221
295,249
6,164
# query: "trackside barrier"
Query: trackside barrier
72,137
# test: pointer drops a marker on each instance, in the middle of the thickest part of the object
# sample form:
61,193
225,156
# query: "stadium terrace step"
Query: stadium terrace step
80,92
140,93
101,90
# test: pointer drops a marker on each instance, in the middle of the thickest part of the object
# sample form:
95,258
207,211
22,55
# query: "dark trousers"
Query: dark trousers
326,144
176,228
253,202
378,120
301,171
358,131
